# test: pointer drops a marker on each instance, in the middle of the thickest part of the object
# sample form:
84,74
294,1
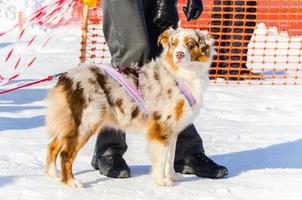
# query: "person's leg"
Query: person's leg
153,30
109,142
188,143
125,33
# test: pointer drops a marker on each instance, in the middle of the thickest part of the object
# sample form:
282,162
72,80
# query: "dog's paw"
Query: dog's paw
74,183
176,177
164,182
52,172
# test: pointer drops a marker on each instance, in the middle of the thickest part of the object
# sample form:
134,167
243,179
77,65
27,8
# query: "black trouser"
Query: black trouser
132,36
232,25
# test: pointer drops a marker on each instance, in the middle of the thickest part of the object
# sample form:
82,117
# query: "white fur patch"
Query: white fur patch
52,171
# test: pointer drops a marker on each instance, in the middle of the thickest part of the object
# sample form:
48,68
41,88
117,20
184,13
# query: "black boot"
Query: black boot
200,165
113,166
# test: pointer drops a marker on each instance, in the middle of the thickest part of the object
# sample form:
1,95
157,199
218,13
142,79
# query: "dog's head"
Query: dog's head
187,49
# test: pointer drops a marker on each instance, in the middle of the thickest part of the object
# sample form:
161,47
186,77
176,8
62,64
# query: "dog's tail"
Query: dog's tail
59,119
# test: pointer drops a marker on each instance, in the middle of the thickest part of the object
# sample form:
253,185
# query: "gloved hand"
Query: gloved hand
166,14
193,9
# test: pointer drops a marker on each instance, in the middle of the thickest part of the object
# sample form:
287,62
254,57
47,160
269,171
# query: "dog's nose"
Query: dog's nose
179,55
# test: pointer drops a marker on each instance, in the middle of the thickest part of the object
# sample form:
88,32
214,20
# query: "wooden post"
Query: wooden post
84,33
21,21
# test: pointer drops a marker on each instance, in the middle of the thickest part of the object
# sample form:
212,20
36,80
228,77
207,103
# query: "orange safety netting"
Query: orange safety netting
257,42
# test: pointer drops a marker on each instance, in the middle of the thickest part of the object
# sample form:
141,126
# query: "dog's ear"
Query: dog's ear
163,38
205,42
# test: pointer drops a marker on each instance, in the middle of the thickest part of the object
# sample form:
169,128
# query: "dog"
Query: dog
86,99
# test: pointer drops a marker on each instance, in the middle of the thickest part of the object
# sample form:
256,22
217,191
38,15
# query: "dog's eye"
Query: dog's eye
205,50
191,44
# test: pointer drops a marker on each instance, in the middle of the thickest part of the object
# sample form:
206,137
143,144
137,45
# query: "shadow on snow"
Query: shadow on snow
13,102
279,156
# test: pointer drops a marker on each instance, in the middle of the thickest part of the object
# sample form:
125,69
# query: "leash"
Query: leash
186,92
49,78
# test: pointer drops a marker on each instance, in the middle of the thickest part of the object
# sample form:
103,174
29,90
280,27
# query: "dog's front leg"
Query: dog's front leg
170,172
158,153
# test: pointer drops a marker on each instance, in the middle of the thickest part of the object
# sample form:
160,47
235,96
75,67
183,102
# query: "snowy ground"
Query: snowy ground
255,131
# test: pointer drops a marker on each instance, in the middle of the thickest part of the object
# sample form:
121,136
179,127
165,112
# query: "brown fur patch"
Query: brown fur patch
205,54
135,112
68,155
92,81
156,115
157,132
71,146
203,59
102,81
198,50
163,38
59,117
53,149
197,54
188,39
179,109
169,92
74,97
132,75
119,104
156,75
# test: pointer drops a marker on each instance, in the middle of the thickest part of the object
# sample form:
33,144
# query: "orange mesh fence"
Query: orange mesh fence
257,42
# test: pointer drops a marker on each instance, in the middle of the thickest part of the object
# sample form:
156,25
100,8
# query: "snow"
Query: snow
270,49
256,131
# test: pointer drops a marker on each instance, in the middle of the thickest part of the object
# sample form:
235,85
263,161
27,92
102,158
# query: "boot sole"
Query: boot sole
93,163
189,170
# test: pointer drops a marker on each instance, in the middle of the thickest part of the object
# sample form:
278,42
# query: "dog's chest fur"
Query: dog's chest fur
163,96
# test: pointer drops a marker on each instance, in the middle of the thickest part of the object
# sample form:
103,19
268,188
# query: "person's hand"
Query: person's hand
166,14
193,9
